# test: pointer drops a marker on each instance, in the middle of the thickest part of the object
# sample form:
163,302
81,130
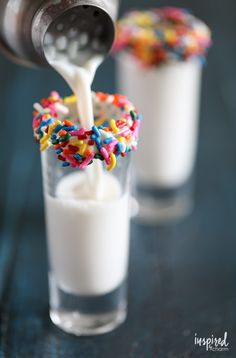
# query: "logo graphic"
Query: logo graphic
212,343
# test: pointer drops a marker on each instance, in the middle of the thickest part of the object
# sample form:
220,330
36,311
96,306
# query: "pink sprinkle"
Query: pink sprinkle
81,131
74,133
111,145
123,101
53,109
136,127
86,161
55,94
105,154
125,133
74,165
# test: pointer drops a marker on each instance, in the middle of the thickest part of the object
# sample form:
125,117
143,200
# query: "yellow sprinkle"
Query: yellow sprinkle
44,146
170,35
47,116
113,126
99,121
127,107
44,139
51,128
121,139
144,20
70,100
76,142
82,149
112,164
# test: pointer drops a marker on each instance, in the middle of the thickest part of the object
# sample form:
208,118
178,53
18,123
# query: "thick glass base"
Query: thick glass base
87,315
87,325
161,205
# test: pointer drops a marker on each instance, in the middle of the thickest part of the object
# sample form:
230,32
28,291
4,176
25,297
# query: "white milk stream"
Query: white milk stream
79,80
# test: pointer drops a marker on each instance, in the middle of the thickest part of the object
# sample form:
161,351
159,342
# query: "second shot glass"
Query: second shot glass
159,70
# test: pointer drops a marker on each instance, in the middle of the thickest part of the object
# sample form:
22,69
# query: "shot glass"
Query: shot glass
86,176
88,247
168,97
160,54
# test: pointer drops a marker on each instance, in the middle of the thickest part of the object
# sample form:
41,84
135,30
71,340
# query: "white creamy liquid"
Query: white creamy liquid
88,240
168,99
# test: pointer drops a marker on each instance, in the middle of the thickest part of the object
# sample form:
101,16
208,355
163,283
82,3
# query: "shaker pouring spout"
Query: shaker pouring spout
31,23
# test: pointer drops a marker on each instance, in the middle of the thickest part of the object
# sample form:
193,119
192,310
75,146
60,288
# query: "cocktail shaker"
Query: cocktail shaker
25,24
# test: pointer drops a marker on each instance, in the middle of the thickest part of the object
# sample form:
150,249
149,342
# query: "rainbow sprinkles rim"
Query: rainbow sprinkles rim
114,134
160,35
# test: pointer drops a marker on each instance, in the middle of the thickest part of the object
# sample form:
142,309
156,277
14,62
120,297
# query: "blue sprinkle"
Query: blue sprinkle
93,137
58,128
100,127
108,140
98,143
69,128
106,123
96,131
42,124
59,151
119,148
78,157
65,164
53,136
49,121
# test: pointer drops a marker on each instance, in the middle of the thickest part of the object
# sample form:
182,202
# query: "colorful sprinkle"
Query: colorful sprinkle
112,164
77,147
163,34
114,126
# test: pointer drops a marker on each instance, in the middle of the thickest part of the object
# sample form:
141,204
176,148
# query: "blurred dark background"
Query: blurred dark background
183,277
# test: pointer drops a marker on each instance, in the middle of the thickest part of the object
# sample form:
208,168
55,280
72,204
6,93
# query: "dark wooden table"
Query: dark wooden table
182,276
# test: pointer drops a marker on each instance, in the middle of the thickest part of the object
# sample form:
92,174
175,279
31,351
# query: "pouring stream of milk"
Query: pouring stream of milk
80,79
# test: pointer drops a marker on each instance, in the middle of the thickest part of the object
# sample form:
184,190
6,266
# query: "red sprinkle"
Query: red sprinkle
60,157
82,136
89,133
120,124
72,148
64,144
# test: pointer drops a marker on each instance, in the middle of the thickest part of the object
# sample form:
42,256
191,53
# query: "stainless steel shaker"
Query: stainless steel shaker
25,25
